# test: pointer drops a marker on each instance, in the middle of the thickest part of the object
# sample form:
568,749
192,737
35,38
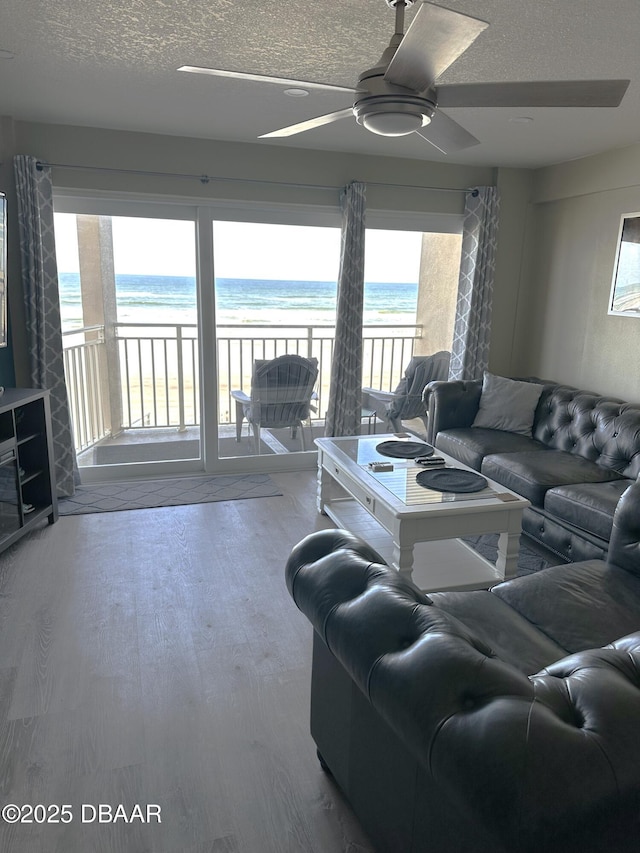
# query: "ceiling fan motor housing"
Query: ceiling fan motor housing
390,110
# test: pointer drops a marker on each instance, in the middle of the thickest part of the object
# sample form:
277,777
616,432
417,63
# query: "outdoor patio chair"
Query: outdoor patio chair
405,403
281,395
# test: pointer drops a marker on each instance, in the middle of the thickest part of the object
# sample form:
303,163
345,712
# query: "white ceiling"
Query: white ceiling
113,64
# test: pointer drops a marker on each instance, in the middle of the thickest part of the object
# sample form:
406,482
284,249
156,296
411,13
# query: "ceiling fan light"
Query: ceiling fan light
394,123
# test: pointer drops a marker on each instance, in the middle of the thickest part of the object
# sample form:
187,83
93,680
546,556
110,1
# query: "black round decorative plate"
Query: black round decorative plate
404,449
451,480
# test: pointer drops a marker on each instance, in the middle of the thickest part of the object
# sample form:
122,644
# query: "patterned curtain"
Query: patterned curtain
344,410
470,350
42,306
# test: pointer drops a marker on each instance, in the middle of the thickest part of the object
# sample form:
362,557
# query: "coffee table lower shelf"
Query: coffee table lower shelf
438,565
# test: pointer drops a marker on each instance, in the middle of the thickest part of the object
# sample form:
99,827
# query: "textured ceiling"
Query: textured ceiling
114,65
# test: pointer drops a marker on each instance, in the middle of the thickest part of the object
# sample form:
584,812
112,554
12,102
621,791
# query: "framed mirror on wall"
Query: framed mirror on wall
625,287
3,270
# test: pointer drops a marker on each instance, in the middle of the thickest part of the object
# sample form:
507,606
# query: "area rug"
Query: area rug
487,546
148,494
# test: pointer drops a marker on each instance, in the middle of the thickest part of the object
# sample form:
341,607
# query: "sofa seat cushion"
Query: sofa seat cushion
470,445
580,605
587,506
532,473
512,638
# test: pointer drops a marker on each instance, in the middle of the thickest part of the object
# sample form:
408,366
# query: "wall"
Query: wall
515,186
563,329
260,168
438,291
7,186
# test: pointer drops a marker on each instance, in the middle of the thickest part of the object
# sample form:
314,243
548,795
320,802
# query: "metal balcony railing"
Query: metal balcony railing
152,378
84,369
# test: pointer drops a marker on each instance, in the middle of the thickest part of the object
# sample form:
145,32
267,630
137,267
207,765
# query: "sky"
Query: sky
244,250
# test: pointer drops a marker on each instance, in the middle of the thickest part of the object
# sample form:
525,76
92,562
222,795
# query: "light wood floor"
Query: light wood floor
155,656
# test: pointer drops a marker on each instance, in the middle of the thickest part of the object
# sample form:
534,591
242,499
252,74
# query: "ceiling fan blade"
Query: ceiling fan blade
435,39
557,93
447,135
263,78
310,124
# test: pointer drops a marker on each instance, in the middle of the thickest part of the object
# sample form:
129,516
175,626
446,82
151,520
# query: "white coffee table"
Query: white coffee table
417,530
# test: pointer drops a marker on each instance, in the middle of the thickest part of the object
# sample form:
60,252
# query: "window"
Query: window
129,317
154,295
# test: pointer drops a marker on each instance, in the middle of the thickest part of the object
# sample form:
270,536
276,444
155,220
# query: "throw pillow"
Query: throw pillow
507,404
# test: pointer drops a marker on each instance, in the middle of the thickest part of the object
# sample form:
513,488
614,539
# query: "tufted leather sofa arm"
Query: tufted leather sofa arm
532,758
624,547
451,404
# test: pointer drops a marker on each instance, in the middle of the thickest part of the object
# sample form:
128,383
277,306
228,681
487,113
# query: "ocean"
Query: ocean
172,299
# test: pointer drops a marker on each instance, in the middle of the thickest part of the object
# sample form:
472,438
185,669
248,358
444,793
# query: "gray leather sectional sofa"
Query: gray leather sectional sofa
582,453
501,721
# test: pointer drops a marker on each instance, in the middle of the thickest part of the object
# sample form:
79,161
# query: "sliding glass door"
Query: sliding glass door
275,304
130,331
200,339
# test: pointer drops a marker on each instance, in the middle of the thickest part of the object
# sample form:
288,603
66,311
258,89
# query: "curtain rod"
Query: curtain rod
205,179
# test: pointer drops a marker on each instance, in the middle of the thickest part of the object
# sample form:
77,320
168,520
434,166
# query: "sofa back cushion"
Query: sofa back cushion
604,430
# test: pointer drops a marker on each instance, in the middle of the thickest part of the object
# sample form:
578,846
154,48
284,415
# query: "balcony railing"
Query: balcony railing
84,351
151,378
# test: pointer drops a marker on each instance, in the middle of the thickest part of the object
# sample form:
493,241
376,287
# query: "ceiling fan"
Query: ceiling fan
399,95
